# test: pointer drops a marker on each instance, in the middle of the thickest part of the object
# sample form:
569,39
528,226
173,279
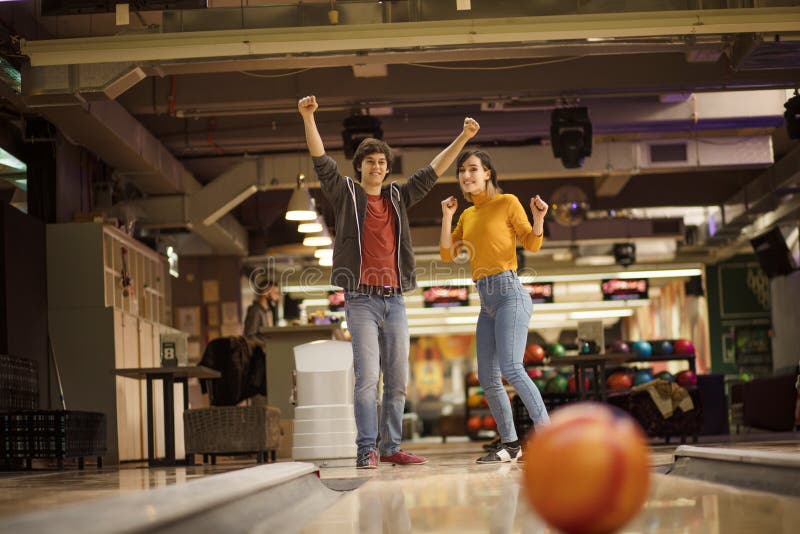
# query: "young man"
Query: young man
374,263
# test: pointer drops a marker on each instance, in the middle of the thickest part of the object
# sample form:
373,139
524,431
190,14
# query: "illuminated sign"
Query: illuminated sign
624,289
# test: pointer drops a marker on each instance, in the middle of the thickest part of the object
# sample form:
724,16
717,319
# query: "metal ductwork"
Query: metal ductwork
762,203
79,101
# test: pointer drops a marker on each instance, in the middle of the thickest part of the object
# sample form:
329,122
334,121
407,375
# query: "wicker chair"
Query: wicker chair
231,430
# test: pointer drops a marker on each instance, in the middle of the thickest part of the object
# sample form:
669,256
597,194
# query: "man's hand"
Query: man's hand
307,106
471,127
449,206
538,208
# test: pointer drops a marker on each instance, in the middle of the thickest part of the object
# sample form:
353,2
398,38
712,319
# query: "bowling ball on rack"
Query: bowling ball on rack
535,372
571,384
683,347
533,354
686,379
663,348
642,376
557,384
540,384
474,423
642,349
556,350
620,346
475,400
664,375
619,380
588,470
488,422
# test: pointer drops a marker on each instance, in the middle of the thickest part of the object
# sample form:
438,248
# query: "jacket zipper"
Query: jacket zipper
399,236
352,189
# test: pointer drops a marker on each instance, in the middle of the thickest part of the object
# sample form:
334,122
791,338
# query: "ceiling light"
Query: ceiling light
601,314
319,239
326,262
301,205
311,227
323,253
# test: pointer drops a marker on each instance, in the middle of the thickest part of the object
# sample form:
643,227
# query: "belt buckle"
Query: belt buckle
387,291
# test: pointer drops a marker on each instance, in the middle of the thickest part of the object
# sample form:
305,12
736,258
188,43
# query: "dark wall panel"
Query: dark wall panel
23,291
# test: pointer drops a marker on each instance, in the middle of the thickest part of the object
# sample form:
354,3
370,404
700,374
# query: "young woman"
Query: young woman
489,230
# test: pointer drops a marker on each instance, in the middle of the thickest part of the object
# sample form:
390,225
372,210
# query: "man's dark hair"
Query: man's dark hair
371,146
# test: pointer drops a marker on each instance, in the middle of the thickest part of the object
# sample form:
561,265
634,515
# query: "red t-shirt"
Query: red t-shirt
379,247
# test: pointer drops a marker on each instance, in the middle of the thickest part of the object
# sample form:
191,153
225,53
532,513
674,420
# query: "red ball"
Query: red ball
686,379
571,384
533,354
535,372
589,469
620,346
488,422
619,380
683,347
474,423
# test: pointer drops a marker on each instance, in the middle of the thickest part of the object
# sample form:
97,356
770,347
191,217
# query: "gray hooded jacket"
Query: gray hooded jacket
349,201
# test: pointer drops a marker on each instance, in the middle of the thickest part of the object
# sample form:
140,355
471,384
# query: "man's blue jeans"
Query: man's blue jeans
379,333
501,337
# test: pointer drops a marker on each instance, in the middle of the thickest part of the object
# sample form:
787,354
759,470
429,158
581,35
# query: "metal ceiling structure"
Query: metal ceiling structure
197,107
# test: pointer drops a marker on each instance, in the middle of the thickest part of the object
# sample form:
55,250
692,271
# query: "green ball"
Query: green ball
556,350
557,384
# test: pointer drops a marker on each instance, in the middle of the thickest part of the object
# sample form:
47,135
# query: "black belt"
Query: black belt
378,291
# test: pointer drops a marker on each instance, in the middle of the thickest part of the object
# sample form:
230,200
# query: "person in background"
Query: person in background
489,230
373,261
263,312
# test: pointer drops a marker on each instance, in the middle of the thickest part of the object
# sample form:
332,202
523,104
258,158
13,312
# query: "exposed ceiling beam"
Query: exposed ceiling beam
449,33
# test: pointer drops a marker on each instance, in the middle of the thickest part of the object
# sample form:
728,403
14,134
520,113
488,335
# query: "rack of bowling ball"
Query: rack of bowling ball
551,370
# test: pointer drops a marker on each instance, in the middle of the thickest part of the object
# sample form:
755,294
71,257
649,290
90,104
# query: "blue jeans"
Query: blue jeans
500,341
379,333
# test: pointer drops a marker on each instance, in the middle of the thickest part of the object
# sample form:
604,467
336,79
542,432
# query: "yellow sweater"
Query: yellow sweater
489,230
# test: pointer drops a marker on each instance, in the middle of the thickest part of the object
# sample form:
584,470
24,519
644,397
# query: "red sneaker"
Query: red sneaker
402,457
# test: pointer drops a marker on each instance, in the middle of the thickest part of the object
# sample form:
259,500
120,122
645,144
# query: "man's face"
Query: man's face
274,293
373,169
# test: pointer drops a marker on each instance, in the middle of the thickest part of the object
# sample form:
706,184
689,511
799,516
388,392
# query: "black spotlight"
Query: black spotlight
571,135
792,116
625,253
356,129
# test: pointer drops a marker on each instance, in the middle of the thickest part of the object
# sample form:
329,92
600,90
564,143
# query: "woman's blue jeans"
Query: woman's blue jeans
501,337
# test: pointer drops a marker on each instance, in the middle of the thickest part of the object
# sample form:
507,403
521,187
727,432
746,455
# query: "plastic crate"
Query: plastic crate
19,383
47,434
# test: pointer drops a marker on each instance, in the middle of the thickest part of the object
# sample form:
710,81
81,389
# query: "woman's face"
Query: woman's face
472,177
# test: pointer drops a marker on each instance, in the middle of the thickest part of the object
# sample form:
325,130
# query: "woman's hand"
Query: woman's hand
538,208
449,206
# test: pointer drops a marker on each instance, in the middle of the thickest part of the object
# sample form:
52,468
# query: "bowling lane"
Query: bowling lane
489,499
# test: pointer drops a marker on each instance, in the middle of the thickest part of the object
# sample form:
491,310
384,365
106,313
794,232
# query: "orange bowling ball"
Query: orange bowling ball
488,422
474,423
588,470
533,354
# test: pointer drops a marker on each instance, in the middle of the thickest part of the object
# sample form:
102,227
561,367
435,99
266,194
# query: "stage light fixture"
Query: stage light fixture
356,129
571,135
625,253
